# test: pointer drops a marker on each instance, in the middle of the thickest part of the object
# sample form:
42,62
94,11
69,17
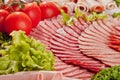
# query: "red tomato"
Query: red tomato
18,21
3,15
34,12
49,10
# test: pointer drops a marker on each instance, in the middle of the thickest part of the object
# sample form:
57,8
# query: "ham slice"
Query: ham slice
67,51
35,75
68,7
82,6
108,4
95,6
23,76
99,49
72,71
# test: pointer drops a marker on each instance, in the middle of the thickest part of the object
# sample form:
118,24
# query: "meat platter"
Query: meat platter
82,45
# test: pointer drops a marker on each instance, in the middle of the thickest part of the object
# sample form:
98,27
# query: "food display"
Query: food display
60,40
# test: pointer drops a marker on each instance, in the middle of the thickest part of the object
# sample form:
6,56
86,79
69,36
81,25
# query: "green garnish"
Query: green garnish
117,2
112,73
102,16
90,18
116,14
67,19
24,54
78,13
95,16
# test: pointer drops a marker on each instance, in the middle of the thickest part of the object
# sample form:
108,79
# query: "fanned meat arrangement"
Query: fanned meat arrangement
82,37
94,40
87,46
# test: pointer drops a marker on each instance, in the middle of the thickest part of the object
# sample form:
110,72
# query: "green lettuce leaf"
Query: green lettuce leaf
117,2
67,19
25,54
117,14
112,73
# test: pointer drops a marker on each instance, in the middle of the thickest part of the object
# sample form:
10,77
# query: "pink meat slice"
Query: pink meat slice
54,21
64,37
78,25
64,48
72,71
23,76
83,22
99,50
90,34
52,75
62,32
35,75
49,23
70,31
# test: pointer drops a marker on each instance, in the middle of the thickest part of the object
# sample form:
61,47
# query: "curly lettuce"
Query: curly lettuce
112,73
25,54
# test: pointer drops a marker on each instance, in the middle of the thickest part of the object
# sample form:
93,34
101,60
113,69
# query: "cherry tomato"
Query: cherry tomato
49,10
18,21
3,15
34,12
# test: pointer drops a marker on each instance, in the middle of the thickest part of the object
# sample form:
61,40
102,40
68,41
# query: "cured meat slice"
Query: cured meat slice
73,71
66,51
39,32
49,23
79,25
76,29
68,7
23,76
46,27
83,22
101,49
61,31
108,4
59,20
101,31
95,6
90,32
82,6
70,31
54,21
65,38
35,75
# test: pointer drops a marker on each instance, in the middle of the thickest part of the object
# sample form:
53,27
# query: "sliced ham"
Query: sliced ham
46,27
70,31
108,4
89,33
49,23
102,51
82,6
66,38
59,46
73,71
54,21
59,20
36,75
83,22
95,6
23,76
101,31
68,7
63,32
